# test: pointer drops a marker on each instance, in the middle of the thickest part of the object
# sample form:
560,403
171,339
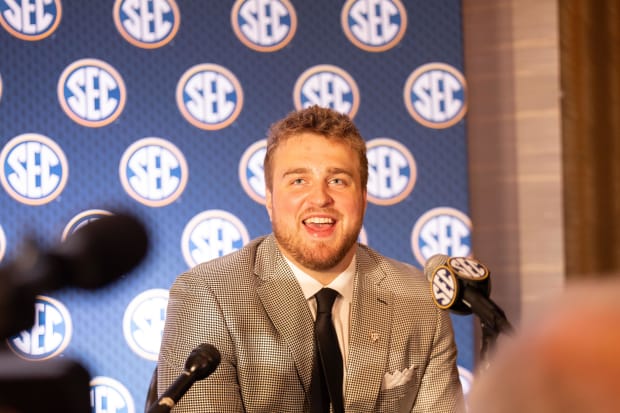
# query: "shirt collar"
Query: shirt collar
343,283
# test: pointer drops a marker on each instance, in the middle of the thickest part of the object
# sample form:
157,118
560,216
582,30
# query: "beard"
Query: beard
315,255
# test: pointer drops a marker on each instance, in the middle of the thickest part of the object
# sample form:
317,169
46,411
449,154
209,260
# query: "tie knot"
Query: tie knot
325,299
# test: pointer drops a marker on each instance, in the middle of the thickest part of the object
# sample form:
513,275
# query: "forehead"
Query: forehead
311,145
314,150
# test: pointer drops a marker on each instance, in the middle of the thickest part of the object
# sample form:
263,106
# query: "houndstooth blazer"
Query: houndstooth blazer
402,354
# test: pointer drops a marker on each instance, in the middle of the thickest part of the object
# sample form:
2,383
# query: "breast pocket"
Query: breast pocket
398,391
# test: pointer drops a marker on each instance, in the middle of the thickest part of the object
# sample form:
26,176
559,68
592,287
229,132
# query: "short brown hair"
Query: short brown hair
322,121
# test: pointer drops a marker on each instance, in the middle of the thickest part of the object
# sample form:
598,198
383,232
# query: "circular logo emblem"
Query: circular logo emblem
143,322
82,219
469,268
327,86
251,171
363,237
212,234
444,287
2,243
146,23
374,25
209,96
50,334
392,171
30,20
441,230
91,92
265,26
436,95
34,169
110,395
153,172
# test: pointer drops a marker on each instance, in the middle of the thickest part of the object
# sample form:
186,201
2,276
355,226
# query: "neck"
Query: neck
324,276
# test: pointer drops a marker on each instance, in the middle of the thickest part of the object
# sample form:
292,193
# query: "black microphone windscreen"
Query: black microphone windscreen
103,250
203,361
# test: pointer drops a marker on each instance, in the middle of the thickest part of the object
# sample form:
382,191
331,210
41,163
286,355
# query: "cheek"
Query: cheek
355,206
281,205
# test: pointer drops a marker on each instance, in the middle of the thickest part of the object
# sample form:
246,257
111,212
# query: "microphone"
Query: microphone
93,256
201,362
463,286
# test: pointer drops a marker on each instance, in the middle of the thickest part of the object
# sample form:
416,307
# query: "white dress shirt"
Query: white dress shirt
341,311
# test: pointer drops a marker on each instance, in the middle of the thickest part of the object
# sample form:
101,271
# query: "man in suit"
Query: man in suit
257,305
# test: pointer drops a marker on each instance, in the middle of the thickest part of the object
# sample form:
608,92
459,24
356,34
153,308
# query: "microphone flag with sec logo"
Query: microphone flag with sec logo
463,286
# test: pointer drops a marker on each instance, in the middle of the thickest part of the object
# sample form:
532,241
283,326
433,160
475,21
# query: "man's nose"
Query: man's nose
319,195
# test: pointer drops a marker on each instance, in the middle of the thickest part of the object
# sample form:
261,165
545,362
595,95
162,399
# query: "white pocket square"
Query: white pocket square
398,378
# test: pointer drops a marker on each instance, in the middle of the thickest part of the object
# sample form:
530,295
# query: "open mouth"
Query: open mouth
319,223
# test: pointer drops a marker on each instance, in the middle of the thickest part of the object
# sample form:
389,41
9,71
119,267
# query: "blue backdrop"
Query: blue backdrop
160,108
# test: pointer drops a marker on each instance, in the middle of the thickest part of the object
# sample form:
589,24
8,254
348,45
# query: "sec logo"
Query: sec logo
392,171
212,234
92,93
374,25
143,322
363,237
264,25
153,171
34,169
50,334
82,219
251,173
148,24
435,95
327,86
2,243
441,230
110,395
209,96
30,20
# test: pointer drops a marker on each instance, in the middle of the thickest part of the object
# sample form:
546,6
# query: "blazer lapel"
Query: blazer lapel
369,337
286,306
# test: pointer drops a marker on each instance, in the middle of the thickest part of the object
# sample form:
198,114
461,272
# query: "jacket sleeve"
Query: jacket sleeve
441,389
194,317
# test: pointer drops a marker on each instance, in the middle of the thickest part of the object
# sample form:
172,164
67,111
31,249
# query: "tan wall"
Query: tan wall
512,66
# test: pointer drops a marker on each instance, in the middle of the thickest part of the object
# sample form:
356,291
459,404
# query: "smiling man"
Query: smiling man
378,345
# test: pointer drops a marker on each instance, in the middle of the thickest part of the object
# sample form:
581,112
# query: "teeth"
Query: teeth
319,220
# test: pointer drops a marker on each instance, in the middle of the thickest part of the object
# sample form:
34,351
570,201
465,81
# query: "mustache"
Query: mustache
317,211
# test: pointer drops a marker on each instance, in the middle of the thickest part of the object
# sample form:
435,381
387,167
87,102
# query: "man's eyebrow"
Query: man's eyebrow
340,171
301,170
295,171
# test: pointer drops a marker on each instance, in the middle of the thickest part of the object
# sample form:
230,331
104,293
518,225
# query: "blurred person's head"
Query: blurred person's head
568,360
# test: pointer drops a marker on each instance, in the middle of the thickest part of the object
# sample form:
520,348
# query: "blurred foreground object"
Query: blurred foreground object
57,385
95,255
568,360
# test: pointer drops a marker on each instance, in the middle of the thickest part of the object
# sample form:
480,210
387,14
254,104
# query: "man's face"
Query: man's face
316,204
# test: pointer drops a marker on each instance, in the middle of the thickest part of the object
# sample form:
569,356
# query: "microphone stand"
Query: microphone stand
489,337
492,325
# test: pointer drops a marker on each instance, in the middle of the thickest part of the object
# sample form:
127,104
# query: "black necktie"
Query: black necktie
327,370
